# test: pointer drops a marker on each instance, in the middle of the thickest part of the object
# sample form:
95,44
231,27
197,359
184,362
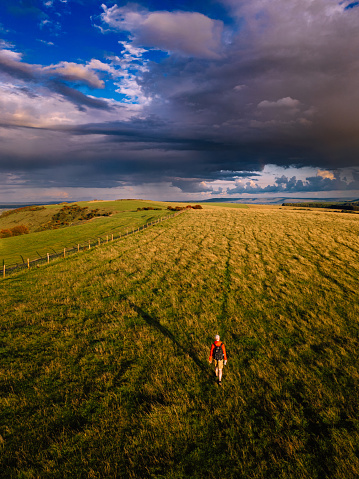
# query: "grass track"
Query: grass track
104,368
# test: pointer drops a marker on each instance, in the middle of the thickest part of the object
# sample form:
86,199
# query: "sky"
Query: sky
178,100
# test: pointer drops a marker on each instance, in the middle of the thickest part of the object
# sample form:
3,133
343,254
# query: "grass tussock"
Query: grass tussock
104,356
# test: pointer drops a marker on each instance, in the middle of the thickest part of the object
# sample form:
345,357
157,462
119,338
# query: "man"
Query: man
218,353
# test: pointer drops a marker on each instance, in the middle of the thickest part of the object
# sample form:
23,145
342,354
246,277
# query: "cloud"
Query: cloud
324,181
78,98
131,66
74,72
287,102
190,185
60,78
239,87
46,42
276,84
326,174
301,102
186,33
11,64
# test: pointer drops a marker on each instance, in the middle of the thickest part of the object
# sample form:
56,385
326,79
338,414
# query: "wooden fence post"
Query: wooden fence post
4,269
89,244
99,242
48,258
28,263
78,248
64,252
106,238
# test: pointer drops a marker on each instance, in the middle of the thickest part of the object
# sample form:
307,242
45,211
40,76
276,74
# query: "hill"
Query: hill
277,200
39,217
347,206
104,356
55,227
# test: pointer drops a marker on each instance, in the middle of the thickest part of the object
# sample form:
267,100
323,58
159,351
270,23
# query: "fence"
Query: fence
67,251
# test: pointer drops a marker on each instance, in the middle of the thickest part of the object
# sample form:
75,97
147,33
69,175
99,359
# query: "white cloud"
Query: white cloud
186,33
45,42
75,72
10,56
98,65
19,108
132,66
287,102
39,108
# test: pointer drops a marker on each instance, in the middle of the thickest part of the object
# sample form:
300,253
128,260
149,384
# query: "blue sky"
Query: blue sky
182,100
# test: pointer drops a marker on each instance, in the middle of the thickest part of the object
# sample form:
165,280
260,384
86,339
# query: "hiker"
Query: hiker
218,353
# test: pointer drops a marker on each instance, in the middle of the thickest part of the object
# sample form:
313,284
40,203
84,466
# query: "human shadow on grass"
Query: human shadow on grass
166,332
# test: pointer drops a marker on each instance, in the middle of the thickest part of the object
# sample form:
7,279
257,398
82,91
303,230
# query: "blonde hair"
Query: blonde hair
217,338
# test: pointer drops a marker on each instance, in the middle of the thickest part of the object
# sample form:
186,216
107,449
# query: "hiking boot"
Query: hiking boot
219,383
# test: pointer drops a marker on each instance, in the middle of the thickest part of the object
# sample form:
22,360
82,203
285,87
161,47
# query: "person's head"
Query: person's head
217,338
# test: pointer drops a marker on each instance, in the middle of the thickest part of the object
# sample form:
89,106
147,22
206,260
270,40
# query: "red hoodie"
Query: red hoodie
217,343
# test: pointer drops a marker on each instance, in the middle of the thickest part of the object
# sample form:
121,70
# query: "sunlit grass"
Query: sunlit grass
104,356
124,218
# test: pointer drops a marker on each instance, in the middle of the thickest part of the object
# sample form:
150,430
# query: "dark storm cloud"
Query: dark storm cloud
287,81
141,150
138,152
191,186
126,154
76,97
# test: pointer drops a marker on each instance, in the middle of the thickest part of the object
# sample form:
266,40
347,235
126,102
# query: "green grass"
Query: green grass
124,218
104,356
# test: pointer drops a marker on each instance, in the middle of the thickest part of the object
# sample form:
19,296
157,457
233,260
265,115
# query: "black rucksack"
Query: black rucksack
218,352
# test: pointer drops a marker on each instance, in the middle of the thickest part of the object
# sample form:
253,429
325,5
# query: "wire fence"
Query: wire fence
74,249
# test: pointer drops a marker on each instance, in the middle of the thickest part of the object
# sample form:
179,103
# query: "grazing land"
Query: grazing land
104,355
49,236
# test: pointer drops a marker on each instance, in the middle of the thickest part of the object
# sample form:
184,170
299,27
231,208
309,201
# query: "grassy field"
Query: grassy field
124,217
104,356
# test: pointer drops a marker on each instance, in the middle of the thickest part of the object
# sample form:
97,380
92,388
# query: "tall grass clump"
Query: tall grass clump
104,356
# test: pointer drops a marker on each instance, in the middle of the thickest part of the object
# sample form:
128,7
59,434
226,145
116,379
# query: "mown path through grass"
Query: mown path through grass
104,356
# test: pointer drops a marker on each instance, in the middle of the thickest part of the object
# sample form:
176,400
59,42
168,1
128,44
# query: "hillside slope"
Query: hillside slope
55,227
36,218
104,356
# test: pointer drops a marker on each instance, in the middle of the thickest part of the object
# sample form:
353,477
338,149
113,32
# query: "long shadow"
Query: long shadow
227,285
166,332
